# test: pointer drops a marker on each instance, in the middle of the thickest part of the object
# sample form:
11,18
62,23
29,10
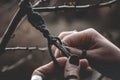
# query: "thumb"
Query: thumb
72,68
48,70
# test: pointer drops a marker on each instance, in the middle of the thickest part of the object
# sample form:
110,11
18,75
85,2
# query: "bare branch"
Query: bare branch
26,48
16,64
66,7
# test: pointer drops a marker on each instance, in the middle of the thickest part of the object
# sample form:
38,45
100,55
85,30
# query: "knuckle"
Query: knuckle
62,33
65,33
35,72
92,32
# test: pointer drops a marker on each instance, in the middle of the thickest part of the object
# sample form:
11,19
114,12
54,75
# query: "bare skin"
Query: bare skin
102,55
48,71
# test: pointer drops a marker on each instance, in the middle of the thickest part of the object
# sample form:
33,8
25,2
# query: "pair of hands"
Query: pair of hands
102,55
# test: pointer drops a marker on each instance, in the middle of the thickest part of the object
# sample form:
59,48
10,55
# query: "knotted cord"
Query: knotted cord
36,20
21,12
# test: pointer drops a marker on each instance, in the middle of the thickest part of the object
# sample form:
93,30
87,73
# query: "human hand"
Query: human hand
68,67
101,53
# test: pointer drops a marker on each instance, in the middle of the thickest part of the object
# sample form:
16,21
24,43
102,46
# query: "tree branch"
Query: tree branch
26,48
66,7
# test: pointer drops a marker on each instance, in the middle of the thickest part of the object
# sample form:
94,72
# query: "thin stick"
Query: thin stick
26,48
66,7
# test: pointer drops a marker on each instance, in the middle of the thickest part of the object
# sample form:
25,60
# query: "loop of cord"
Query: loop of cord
36,20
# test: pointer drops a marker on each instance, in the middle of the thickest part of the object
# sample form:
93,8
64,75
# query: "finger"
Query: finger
76,51
91,55
72,68
85,70
53,48
94,56
48,70
82,40
63,34
85,66
72,50
89,69
58,53
84,63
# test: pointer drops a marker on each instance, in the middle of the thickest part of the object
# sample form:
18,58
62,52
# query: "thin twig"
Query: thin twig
66,7
16,64
26,48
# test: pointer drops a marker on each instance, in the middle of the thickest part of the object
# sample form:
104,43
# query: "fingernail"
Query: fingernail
74,60
36,77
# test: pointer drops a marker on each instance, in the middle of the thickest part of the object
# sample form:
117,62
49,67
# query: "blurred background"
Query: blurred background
19,64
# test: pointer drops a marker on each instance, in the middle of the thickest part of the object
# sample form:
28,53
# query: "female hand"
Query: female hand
102,55
68,67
